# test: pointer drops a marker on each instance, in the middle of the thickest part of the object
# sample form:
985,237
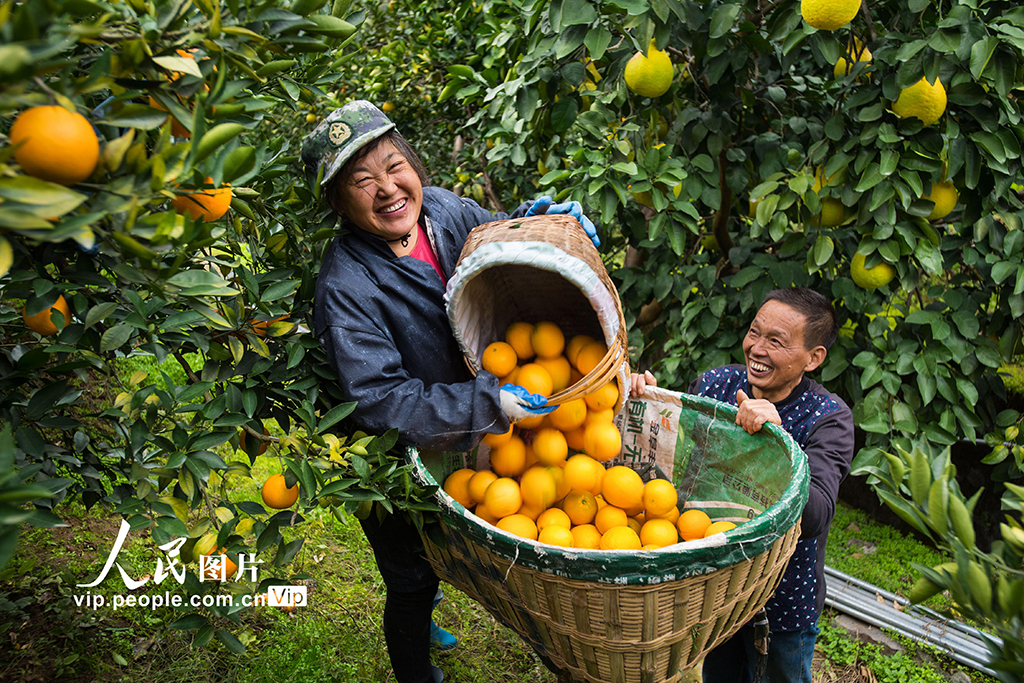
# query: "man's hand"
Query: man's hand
638,383
754,412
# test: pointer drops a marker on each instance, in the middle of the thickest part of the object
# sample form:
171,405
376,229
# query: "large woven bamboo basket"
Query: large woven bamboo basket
639,616
534,269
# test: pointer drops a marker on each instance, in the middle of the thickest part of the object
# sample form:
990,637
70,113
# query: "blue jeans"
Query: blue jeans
789,657
411,585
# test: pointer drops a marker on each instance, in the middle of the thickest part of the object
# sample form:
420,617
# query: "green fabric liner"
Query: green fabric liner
718,467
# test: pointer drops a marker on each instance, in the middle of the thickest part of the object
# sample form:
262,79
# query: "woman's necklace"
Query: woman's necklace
404,239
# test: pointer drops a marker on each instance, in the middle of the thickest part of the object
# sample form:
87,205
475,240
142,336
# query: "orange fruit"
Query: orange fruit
547,340
387,107
553,517
483,513
559,369
634,525
672,515
580,506
276,495
535,379
260,450
659,497
498,440
478,484
606,415
518,337
572,349
574,438
586,536
531,422
499,359
519,525
561,485
208,204
590,356
601,441
659,532
604,397
42,323
260,327
610,516
718,527
692,524
503,498
531,511
55,144
569,415
601,502
623,488
557,535
538,487
583,473
510,378
457,486
509,460
550,447
531,458
640,518
620,538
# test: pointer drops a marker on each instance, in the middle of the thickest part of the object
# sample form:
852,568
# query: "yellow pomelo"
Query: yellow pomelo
829,15
649,76
870,278
926,101
945,196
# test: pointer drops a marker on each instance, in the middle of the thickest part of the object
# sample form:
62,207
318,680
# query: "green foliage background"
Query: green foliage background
506,99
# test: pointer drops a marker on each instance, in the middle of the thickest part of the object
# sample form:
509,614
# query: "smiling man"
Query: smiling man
788,338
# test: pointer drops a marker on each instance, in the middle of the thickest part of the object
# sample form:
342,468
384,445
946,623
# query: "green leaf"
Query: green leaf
722,19
239,162
99,312
215,138
597,41
185,65
981,52
139,116
577,12
189,622
201,282
563,114
115,337
334,415
872,176
229,639
823,249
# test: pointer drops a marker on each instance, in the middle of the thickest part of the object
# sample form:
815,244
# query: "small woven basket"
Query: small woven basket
639,616
534,269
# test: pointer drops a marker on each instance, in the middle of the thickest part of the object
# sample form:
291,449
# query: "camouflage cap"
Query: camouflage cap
340,135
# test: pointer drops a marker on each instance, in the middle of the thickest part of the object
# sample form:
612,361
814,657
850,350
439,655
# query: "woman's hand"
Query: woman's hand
638,383
546,205
519,404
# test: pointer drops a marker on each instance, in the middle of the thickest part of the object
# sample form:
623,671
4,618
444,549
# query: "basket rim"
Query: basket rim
624,566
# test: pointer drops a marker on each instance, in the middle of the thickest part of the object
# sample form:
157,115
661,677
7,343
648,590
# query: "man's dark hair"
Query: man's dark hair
345,172
822,326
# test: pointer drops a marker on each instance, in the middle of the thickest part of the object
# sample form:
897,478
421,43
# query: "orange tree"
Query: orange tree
764,164
189,235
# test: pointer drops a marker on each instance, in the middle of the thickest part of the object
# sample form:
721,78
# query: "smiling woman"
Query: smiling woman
380,317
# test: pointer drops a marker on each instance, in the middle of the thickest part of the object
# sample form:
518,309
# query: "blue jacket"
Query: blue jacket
381,320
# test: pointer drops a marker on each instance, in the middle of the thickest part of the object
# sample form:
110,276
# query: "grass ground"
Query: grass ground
337,637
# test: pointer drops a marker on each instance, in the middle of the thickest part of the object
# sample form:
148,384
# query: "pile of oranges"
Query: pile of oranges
547,479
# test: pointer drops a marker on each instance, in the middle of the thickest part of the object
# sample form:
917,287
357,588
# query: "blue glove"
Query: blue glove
519,404
546,205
